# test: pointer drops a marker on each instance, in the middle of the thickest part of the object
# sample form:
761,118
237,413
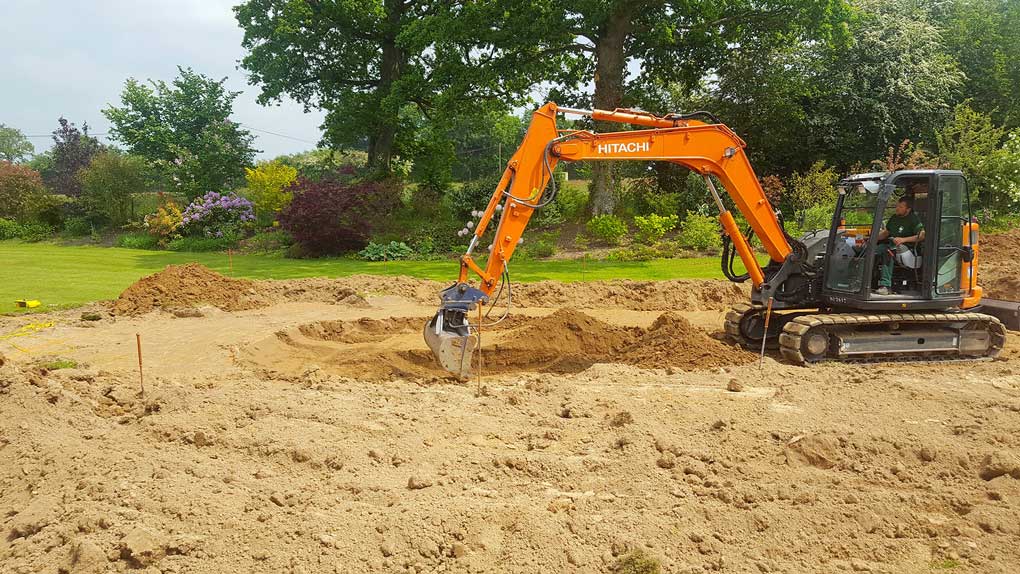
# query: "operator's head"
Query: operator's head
904,205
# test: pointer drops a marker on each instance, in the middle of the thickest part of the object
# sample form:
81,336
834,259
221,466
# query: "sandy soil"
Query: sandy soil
998,265
303,431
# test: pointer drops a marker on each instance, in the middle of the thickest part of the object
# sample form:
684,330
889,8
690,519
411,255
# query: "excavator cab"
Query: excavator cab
930,273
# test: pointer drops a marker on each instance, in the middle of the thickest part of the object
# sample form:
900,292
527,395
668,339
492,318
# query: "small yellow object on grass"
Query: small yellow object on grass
30,303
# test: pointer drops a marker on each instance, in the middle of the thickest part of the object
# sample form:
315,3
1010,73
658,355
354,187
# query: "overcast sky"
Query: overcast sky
70,58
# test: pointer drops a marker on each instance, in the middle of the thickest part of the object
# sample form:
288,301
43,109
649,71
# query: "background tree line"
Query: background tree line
426,100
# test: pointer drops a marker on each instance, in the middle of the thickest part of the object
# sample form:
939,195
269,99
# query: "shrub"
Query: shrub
137,241
216,215
197,244
9,229
268,189
165,223
331,217
653,227
700,232
816,217
639,252
267,241
543,245
472,195
572,200
548,216
34,231
21,191
107,184
816,186
77,226
608,229
386,251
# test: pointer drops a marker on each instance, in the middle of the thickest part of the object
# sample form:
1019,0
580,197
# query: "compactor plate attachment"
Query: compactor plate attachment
448,334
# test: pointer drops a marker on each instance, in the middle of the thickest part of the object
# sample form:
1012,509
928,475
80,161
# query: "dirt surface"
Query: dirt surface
999,265
281,438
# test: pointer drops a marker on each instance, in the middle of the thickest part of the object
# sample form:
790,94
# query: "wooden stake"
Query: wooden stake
479,391
141,380
230,256
765,334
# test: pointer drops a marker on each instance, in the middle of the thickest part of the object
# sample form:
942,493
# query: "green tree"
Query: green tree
107,185
816,186
268,189
677,44
367,61
14,146
184,128
842,102
982,36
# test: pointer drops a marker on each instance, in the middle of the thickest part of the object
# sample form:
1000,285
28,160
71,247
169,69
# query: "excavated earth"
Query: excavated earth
301,426
999,265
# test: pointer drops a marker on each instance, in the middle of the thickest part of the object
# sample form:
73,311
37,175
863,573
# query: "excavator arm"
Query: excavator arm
710,149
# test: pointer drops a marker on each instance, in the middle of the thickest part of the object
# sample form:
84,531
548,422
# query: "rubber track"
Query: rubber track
732,323
793,332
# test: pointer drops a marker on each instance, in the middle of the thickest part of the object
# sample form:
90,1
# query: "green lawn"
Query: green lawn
64,276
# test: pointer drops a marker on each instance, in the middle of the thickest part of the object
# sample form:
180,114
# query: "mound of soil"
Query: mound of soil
672,341
567,341
192,285
188,286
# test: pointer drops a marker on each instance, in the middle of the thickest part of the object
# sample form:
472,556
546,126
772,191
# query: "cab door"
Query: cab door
952,221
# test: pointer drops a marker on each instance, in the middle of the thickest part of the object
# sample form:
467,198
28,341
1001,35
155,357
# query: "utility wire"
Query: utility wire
280,135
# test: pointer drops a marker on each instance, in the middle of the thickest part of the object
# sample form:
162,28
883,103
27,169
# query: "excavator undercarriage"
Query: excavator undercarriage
813,337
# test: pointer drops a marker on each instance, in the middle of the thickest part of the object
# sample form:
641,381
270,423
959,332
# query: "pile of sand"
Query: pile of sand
194,285
569,341
188,286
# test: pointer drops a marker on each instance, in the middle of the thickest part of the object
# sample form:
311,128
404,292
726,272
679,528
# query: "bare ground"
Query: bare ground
281,438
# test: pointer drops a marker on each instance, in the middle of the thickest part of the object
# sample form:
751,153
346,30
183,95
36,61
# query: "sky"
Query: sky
71,57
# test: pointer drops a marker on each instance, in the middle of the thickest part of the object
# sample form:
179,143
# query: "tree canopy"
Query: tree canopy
185,129
14,146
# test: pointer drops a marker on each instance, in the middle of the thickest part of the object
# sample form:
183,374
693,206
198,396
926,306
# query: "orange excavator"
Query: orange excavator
818,297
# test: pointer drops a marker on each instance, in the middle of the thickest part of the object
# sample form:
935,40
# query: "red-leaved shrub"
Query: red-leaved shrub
330,217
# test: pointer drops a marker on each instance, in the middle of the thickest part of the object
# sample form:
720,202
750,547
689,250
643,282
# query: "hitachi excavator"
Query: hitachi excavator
817,298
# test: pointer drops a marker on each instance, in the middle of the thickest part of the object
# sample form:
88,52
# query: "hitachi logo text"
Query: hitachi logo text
621,147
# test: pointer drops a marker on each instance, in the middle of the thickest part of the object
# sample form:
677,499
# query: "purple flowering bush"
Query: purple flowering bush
217,215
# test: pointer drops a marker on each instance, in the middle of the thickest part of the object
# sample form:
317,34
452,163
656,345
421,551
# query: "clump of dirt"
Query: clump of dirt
188,286
998,267
567,341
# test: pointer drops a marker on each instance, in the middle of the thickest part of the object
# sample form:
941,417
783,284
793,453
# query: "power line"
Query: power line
280,135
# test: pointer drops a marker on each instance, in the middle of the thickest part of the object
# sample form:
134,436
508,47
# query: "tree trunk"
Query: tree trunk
610,66
380,143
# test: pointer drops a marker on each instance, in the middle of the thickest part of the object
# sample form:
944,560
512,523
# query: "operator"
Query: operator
904,226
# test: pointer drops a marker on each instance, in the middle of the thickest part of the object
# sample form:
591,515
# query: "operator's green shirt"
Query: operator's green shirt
905,226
